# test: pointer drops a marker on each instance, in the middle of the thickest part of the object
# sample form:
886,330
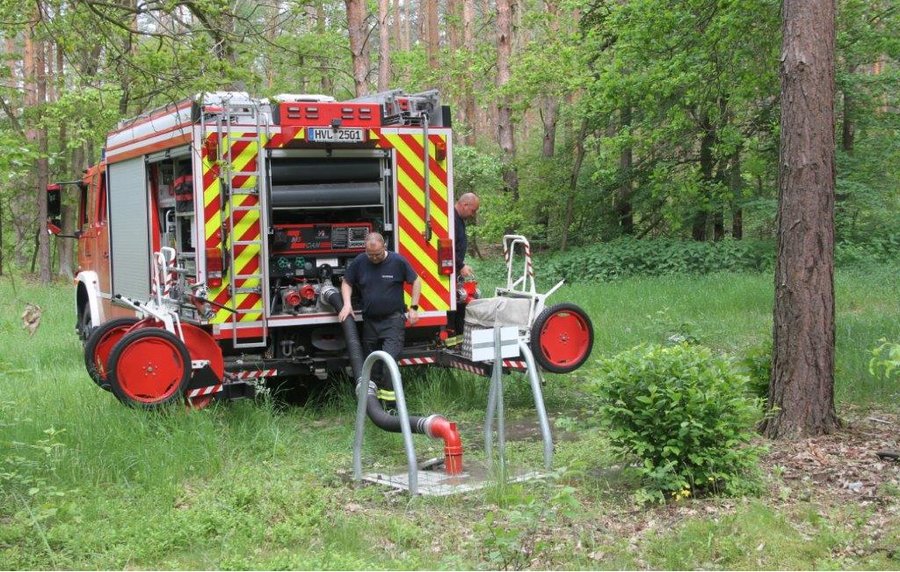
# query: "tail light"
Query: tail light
440,150
214,266
445,256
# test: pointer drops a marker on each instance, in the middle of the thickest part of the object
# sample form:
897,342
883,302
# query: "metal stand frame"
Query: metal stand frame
463,482
495,407
362,387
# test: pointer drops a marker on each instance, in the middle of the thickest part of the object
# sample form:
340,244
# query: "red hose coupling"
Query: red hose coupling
453,450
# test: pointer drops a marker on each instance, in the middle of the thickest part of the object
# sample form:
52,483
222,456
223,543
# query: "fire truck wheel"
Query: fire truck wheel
100,343
562,338
84,325
148,368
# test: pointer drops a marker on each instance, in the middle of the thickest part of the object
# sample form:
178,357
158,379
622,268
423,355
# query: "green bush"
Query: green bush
885,361
873,249
685,415
756,363
627,257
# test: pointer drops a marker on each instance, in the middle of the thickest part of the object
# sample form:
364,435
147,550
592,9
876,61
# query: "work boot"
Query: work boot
388,400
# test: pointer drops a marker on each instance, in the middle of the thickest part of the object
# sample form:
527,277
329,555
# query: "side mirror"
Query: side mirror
54,208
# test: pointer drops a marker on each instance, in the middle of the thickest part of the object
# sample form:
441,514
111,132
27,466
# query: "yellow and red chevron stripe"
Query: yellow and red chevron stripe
410,181
247,227
286,136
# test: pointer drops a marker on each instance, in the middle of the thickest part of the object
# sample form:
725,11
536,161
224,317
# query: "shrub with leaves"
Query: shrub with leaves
757,364
885,360
628,257
685,415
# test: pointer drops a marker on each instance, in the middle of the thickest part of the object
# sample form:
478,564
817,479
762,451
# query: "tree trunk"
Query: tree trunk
623,199
737,197
468,95
550,103
396,26
356,24
707,163
422,22
21,205
718,224
573,184
43,166
848,131
384,46
801,391
433,35
404,37
327,81
454,25
549,119
505,134
65,248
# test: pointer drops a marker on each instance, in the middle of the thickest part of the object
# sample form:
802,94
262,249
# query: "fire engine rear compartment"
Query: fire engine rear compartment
321,205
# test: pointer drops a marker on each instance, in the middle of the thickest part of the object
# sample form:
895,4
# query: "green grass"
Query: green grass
87,483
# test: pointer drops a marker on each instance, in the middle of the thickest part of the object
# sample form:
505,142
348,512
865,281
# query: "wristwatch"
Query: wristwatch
414,307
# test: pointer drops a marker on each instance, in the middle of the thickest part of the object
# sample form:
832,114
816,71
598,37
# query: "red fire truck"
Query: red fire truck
212,230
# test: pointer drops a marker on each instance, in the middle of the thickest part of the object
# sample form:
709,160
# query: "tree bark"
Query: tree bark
43,166
801,390
65,248
505,134
454,25
737,197
396,26
573,184
327,81
21,205
356,18
848,131
468,93
623,198
433,36
707,140
384,46
404,37
422,22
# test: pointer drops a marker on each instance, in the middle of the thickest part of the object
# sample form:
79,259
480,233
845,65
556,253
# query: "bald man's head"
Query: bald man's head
375,247
467,205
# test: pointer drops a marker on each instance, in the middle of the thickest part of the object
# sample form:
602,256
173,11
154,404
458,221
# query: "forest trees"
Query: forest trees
608,118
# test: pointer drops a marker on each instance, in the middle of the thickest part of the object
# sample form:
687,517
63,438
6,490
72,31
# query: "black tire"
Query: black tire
93,340
149,368
84,325
562,338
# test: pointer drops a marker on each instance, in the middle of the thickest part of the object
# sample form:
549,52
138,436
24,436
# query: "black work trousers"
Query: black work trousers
385,333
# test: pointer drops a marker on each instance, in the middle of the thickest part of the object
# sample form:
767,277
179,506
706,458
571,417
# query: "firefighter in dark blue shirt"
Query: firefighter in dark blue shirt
379,277
466,208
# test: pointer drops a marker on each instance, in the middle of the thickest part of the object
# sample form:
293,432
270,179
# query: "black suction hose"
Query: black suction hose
381,418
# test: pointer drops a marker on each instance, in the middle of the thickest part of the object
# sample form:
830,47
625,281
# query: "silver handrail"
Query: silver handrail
535,380
362,387
495,406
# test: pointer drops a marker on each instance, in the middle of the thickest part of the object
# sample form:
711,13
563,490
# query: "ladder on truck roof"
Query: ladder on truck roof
242,184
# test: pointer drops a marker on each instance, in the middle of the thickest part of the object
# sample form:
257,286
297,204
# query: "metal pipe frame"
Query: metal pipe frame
362,388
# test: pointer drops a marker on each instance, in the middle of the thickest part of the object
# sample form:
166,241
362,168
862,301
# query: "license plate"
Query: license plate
331,135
